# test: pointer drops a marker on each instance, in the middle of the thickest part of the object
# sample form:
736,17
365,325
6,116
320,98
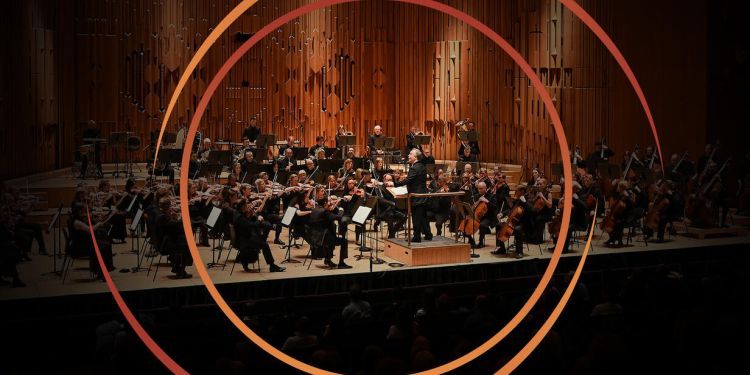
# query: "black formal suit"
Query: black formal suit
251,133
416,183
251,237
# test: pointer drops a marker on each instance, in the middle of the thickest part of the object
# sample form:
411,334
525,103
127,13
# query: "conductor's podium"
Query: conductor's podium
440,250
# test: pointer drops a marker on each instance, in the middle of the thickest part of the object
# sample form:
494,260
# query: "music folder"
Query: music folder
361,215
398,192
422,139
288,216
136,220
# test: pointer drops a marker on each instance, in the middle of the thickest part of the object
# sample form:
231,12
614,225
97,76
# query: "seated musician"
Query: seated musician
321,233
673,211
346,171
427,156
232,182
489,220
502,192
351,196
289,145
18,207
601,153
524,221
118,233
168,226
350,153
440,207
248,161
252,131
377,134
237,171
320,154
251,230
624,196
197,204
578,218
651,156
320,143
379,171
592,193
270,210
287,162
205,150
310,167
467,156
468,169
536,174
483,176
541,217
387,210
82,243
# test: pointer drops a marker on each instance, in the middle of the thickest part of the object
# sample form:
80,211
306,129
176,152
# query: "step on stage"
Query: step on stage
440,250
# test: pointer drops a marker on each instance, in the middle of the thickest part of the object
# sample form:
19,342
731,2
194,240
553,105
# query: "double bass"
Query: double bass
698,207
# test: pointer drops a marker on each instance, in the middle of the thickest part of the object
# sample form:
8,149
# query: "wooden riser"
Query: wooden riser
440,250
702,234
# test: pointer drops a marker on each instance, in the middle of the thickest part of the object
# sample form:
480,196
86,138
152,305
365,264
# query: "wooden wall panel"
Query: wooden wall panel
359,64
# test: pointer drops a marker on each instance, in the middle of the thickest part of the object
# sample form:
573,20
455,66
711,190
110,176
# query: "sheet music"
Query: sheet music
136,220
213,217
288,216
398,191
361,215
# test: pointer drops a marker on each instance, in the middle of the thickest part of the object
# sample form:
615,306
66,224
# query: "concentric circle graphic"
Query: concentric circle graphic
489,33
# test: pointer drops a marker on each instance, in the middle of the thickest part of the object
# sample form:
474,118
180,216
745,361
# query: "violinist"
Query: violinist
501,191
469,170
288,146
196,206
322,235
270,210
81,242
346,171
251,230
387,210
350,153
467,156
232,182
107,198
320,154
379,171
320,143
237,171
332,182
339,132
482,176
309,167
652,157
171,238
440,207
349,202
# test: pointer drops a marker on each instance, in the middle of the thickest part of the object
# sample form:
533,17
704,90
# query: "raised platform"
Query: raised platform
703,233
440,250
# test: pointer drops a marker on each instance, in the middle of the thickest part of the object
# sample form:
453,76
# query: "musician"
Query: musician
708,152
237,171
349,202
82,243
341,131
440,207
197,204
320,154
538,219
416,183
410,139
107,198
287,161
25,232
310,167
482,176
502,192
536,174
379,171
205,151
578,218
489,220
248,161
251,230
673,211
332,182
322,235
252,131
172,238
651,154
595,157
377,134
270,210
591,192
466,155
427,157
346,171
320,143
473,145
469,170
288,146
350,153
624,196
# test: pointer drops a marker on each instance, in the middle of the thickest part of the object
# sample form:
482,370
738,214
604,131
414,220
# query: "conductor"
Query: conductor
416,183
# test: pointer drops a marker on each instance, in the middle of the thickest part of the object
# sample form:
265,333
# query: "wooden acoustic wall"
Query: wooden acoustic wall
360,64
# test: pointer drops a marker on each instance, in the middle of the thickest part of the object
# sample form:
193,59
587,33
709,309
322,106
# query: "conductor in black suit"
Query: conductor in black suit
416,183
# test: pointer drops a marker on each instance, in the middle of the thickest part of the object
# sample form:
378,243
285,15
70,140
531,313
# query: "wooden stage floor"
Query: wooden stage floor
40,283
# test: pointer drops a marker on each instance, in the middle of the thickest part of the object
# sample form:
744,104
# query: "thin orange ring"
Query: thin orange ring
445,9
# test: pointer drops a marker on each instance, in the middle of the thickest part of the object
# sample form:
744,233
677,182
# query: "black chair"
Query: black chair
70,258
634,223
234,244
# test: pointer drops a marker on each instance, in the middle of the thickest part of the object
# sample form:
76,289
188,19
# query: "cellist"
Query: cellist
614,222
488,219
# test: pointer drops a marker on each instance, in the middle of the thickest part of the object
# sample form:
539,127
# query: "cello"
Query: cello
514,217
697,207
470,224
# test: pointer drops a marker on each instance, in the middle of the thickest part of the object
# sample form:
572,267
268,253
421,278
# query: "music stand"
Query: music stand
168,138
422,139
300,153
361,163
220,157
57,245
213,223
171,156
556,169
330,151
256,169
286,221
258,153
265,140
330,165
320,178
135,230
471,136
281,177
